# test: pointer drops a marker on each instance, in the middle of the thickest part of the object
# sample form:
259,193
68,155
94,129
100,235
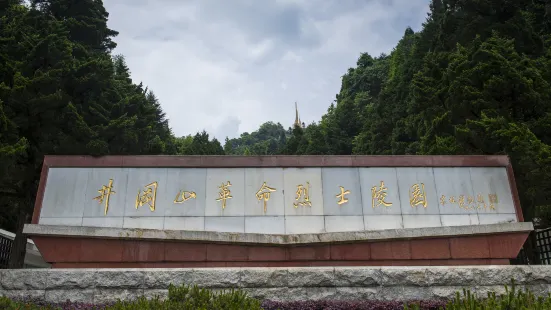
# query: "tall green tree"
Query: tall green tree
201,144
41,111
269,139
86,21
297,144
62,92
474,80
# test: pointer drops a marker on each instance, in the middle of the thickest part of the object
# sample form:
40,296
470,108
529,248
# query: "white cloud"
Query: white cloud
229,66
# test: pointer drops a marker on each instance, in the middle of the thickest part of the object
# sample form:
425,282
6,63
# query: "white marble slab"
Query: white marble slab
493,187
111,221
376,198
265,225
151,222
65,193
382,222
303,191
146,192
342,193
340,223
420,221
191,223
454,191
225,224
459,219
106,183
185,192
264,192
304,224
380,191
225,192
417,191
68,221
486,219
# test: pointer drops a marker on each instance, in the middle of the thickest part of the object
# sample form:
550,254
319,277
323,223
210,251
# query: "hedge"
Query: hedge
195,298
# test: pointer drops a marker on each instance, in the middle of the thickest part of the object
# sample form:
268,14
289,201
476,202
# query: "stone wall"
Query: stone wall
343,283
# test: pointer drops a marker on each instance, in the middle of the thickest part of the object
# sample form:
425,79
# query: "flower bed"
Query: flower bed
193,298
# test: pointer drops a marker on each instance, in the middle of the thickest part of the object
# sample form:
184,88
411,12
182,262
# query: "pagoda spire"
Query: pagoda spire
297,119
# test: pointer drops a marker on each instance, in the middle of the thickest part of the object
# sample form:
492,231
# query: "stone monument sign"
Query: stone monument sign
193,198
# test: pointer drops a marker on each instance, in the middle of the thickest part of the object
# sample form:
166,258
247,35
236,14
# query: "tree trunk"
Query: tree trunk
19,246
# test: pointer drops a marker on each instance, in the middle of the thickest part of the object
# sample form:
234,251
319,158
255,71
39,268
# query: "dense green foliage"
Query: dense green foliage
512,299
186,297
62,92
200,144
269,139
475,80
179,298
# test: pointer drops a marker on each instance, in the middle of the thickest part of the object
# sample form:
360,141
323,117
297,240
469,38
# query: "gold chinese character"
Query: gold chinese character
417,195
467,205
481,202
303,191
493,200
452,199
379,195
264,194
148,196
224,193
184,196
461,202
105,193
341,197
470,202
443,200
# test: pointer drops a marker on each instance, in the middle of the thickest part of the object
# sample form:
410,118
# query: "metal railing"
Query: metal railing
543,244
542,250
5,247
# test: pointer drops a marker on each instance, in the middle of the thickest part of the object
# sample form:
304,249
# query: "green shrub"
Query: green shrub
142,303
513,299
193,298
8,304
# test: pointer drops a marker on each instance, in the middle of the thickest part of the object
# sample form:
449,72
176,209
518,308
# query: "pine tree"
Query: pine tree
86,21
41,112
63,93
297,143
202,145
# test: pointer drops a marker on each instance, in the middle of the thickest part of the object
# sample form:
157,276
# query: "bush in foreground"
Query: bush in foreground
512,299
195,298
352,305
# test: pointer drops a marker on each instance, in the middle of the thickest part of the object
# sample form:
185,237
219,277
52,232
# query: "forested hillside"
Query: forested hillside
63,92
475,80
269,139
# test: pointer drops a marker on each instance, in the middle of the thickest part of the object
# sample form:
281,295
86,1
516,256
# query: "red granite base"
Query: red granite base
437,262
66,252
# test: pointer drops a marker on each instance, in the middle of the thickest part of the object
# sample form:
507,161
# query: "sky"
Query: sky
227,66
